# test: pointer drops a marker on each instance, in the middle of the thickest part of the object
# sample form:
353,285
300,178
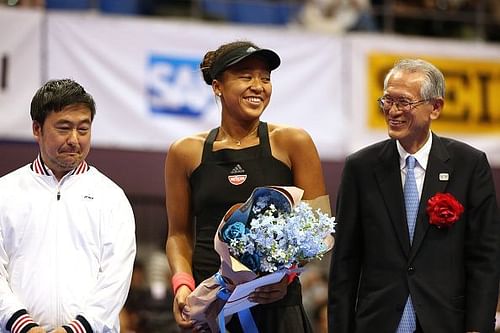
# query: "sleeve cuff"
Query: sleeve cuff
20,322
79,325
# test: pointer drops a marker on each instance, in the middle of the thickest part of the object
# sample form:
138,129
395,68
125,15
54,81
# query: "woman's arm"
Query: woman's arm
179,246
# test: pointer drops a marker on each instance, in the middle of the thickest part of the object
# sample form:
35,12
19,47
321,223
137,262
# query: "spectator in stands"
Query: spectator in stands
31,3
67,232
337,16
320,318
138,296
493,25
149,304
314,286
497,322
434,18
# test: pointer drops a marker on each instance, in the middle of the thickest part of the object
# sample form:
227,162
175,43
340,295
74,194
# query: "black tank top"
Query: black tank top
223,178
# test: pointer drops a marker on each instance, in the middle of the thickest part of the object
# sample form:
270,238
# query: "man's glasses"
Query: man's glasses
403,105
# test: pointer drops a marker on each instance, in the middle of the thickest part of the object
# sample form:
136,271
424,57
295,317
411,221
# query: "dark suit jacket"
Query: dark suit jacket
451,273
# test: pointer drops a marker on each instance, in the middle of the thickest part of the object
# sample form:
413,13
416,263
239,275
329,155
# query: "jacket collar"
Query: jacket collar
39,167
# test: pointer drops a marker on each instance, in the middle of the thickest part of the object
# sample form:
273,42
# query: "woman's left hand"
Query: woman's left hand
270,293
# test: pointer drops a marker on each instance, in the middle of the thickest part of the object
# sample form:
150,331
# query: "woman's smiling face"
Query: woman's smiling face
246,88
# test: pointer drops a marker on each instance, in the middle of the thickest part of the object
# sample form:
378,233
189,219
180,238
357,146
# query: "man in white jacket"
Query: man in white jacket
67,232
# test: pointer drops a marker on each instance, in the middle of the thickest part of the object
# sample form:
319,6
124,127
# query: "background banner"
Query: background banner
20,70
144,75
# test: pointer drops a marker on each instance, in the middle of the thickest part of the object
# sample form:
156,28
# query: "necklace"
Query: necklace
238,141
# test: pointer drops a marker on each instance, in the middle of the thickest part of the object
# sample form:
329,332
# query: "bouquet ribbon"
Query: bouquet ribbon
246,319
223,293
247,323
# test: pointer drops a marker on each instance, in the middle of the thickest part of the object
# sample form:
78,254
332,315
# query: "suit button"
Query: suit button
411,270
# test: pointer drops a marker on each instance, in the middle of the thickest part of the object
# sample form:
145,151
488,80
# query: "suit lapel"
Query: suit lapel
388,177
436,179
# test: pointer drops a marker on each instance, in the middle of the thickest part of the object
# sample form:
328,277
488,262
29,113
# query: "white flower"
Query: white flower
280,239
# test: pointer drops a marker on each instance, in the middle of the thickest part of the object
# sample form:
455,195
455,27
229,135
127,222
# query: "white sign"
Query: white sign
20,70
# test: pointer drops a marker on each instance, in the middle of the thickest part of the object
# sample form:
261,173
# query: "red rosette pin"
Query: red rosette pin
444,210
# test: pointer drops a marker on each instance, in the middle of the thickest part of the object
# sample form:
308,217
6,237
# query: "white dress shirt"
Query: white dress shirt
421,156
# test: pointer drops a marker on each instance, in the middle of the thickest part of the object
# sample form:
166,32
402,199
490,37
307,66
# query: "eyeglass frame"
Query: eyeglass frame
410,105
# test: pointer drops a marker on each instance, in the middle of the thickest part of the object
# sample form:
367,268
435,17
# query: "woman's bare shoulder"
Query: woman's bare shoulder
281,132
186,152
186,143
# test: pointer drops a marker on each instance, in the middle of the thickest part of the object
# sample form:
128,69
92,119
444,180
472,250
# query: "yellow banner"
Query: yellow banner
472,103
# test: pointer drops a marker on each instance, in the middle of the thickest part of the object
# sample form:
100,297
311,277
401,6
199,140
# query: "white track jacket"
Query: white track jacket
66,250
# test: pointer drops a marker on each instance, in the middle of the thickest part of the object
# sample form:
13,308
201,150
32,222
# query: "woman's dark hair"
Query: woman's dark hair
211,57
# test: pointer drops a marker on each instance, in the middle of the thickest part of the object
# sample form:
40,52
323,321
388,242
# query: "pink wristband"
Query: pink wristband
182,279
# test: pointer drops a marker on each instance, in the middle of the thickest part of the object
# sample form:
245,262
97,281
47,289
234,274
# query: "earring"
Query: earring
219,94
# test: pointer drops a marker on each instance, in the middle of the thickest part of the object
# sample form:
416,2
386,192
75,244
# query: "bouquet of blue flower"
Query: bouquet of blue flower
272,232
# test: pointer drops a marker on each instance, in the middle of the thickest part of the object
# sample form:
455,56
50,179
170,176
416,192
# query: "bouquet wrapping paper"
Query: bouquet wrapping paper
205,305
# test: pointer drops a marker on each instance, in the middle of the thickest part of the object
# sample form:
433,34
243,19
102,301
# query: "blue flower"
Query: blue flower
251,260
277,236
233,231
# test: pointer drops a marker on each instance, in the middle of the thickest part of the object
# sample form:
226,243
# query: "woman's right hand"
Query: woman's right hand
179,304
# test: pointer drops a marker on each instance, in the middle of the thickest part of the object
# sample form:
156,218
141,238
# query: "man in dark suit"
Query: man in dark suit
437,271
